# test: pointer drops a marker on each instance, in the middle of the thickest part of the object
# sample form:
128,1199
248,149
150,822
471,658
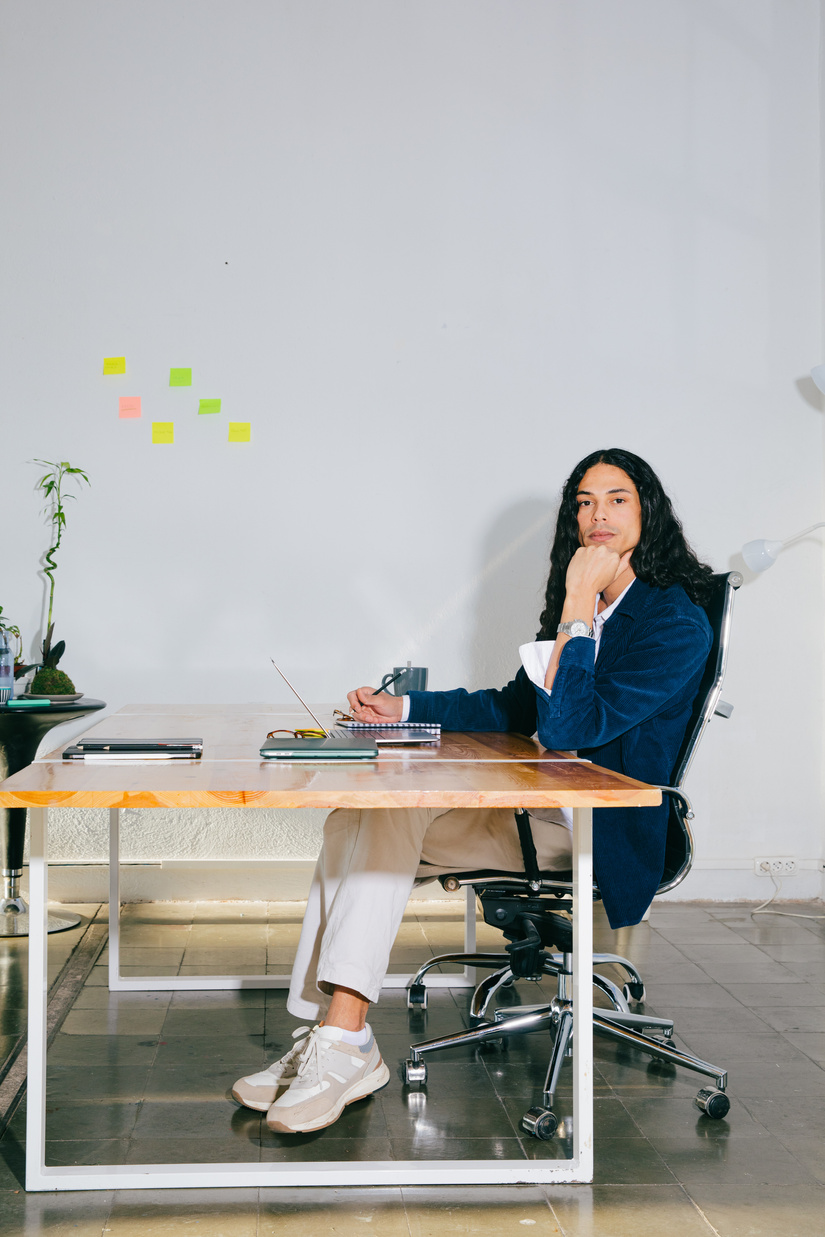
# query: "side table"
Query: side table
20,733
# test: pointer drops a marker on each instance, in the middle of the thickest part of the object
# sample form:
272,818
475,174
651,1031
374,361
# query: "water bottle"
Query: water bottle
6,669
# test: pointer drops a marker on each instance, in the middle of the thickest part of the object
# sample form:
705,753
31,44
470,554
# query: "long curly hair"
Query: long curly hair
662,557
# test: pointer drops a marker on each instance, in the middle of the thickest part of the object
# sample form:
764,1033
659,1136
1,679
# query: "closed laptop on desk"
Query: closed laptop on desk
333,747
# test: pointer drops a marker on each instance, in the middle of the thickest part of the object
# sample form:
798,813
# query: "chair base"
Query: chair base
618,1024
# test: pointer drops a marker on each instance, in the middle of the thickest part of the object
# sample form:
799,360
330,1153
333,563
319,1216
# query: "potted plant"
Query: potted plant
49,681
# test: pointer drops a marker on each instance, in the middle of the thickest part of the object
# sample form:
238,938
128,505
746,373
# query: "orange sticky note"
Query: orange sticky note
114,365
239,431
163,431
128,406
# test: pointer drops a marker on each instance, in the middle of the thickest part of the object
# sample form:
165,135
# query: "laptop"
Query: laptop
334,745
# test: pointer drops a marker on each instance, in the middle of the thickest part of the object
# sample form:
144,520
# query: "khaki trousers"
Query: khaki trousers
367,867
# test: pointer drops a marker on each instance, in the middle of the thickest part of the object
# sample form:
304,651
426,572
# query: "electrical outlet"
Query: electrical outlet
775,866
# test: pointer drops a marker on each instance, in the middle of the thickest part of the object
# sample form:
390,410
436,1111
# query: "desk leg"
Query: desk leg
583,992
114,899
38,999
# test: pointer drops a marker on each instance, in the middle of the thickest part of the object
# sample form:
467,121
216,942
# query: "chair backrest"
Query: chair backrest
679,844
720,612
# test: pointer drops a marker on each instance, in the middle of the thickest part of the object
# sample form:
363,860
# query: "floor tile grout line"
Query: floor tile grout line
698,1209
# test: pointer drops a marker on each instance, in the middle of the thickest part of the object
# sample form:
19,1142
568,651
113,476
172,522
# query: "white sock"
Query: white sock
358,1038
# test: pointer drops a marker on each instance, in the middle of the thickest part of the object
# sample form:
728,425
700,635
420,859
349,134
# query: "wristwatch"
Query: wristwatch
577,628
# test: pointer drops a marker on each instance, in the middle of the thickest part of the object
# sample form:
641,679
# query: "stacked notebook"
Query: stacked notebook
134,749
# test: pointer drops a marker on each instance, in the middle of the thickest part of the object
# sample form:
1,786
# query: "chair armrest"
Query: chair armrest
675,793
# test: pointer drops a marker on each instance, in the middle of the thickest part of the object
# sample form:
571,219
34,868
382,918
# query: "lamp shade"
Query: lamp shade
760,555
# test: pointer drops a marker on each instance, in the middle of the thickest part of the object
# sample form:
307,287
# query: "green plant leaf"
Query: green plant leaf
55,654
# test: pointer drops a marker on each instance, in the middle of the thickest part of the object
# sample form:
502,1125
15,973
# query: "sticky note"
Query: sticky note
163,431
128,406
114,365
180,377
209,405
239,431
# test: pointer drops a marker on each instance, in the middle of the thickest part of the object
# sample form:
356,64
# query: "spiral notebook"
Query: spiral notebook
402,733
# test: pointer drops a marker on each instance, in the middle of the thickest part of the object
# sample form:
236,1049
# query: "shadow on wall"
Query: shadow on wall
515,562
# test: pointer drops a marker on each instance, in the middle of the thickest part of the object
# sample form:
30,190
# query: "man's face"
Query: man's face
609,510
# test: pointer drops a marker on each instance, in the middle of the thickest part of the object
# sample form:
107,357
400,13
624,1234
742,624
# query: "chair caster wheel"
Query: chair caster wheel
417,996
540,1122
633,992
415,1072
714,1104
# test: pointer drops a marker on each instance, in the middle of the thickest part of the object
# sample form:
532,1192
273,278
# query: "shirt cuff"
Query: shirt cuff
405,708
535,657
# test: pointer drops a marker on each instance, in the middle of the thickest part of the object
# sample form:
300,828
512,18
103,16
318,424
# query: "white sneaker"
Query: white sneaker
330,1074
258,1091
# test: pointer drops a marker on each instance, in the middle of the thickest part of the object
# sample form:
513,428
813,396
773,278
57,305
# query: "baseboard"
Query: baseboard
199,880
288,880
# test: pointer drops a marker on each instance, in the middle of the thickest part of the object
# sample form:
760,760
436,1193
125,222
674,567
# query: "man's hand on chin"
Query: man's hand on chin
366,706
594,568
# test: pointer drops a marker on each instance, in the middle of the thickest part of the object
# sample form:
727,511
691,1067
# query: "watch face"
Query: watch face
577,628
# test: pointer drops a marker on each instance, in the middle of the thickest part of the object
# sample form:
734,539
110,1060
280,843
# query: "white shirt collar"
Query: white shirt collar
600,618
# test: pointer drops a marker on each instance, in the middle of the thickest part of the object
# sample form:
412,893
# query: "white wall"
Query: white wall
434,253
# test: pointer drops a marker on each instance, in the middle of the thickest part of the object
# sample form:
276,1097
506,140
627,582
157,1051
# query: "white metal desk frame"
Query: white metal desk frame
256,1174
200,983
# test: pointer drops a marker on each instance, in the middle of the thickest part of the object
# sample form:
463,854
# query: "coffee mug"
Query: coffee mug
410,679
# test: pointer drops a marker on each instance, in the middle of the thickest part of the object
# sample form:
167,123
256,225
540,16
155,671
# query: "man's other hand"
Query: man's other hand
366,706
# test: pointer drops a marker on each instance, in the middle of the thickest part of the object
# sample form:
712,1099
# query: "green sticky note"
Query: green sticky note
163,431
239,431
209,405
180,377
114,365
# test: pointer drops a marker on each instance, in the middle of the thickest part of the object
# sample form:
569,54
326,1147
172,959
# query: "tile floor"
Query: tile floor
145,1076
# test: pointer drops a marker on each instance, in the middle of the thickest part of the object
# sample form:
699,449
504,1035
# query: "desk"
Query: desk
466,770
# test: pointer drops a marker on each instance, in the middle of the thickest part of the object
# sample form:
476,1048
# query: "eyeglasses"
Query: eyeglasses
342,717
299,734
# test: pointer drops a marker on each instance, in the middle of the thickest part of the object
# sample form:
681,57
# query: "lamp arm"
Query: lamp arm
804,533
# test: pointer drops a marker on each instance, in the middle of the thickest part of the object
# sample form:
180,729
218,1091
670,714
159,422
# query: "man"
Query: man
629,644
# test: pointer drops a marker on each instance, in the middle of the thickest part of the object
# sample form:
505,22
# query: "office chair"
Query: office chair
526,905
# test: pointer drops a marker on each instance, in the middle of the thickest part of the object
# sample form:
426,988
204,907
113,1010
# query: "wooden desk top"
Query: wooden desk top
466,770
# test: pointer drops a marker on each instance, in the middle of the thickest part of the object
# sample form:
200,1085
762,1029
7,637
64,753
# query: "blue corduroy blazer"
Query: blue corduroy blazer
628,712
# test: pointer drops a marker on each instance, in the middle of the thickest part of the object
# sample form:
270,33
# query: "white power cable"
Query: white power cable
777,886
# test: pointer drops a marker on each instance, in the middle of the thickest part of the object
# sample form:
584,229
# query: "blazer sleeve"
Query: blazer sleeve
592,704
512,707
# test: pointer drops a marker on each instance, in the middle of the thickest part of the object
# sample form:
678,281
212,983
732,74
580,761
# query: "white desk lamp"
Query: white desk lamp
760,555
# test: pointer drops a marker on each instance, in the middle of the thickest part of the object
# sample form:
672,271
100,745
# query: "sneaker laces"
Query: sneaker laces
314,1050
294,1055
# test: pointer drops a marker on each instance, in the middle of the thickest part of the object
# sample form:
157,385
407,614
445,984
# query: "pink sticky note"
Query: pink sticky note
129,406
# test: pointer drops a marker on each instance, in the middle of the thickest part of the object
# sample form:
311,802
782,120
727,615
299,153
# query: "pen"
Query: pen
384,686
